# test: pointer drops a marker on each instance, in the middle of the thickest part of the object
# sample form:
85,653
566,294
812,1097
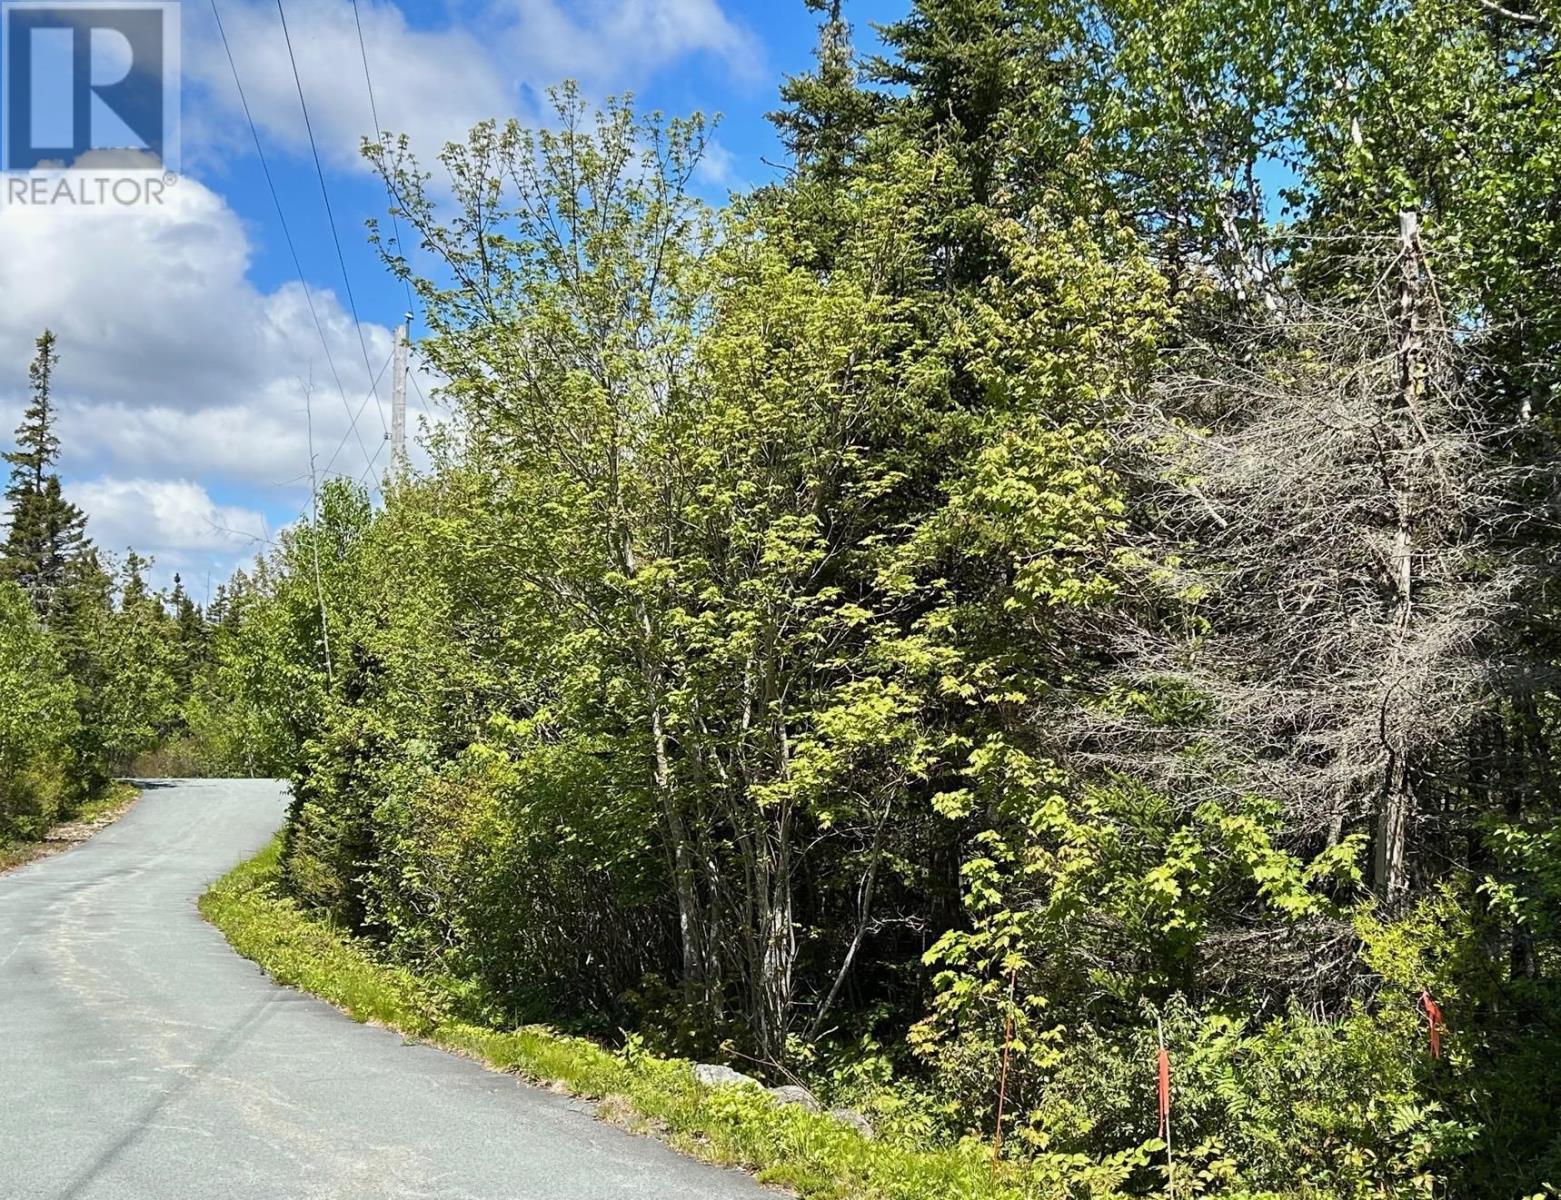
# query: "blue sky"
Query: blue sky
186,342
737,82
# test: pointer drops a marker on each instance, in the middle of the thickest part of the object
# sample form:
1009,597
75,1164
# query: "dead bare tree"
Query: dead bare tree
1319,506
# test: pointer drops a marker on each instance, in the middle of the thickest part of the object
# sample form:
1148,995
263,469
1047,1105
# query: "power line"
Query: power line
330,215
311,507
422,399
287,235
363,479
379,130
373,392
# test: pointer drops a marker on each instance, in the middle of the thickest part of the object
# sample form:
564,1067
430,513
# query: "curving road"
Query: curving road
141,1059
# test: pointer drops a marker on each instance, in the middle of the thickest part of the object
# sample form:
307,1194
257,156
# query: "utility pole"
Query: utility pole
314,535
398,403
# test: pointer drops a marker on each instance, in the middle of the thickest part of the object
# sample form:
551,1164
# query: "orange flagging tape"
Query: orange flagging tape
1165,1090
1434,1026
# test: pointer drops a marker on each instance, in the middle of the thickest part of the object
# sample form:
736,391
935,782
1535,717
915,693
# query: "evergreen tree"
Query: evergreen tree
81,625
959,64
991,86
46,531
220,611
189,632
827,113
1000,609
187,614
133,592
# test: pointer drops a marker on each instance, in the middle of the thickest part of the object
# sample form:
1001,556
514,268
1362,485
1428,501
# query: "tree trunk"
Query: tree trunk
777,937
691,926
1397,800
696,982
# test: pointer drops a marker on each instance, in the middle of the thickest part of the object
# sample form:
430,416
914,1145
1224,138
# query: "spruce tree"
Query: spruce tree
46,531
992,88
827,113
192,626
189,632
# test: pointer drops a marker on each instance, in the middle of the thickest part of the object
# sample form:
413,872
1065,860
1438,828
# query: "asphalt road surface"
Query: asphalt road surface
141,1058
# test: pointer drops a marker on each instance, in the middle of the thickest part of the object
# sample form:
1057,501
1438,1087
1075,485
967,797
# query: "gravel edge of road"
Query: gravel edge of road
67,835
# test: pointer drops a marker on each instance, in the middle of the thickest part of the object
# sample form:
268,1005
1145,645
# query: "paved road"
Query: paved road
141,1059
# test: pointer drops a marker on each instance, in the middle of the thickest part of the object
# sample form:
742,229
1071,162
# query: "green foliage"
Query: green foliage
36,720
817,1156
761,663
1088,930
140,669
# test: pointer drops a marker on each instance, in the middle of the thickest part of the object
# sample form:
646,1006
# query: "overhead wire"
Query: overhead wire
364,478
369,460
395,223
421,399
287,235
373,391
379,130
330,213
375,377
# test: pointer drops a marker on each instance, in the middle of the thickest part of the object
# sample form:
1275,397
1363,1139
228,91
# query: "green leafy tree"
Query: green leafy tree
972,610
36,720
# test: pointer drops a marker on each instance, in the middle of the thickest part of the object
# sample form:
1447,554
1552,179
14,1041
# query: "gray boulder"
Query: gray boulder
715,1075
790,1093
849,1116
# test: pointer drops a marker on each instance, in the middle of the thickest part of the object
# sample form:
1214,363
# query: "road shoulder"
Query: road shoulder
94,817
812,1154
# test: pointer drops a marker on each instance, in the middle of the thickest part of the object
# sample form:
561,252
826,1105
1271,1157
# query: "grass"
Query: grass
90,817
813,1154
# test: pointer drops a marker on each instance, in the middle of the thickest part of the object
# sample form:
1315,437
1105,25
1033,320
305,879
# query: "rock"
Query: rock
790,1093
715,1075
849,1116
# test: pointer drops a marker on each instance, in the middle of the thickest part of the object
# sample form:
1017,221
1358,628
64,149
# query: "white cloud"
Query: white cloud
174,522
717,167
170,514
616,44
434,84
177,374
431,85
170,358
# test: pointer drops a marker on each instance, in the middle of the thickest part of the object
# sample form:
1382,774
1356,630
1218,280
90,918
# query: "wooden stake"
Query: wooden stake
1164,1084
1002,1078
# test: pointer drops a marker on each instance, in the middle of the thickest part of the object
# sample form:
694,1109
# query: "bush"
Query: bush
37,718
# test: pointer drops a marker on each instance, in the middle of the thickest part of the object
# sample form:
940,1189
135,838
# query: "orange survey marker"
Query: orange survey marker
1434,1026
1165,1113
1165,1093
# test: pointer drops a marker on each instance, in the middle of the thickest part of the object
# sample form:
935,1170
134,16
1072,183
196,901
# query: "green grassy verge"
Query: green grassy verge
90,817
814,1154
